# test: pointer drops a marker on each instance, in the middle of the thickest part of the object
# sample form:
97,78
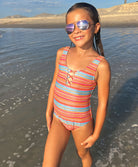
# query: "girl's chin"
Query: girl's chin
82,44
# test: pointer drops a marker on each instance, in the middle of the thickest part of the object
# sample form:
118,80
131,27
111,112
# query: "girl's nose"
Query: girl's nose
76,30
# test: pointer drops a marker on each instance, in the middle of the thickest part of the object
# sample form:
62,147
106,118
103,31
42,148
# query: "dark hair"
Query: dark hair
97,43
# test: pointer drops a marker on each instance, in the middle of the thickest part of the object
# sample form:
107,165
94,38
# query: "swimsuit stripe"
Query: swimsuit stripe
72,117
71,90
70,123
71,97
82,75
72,102
71,108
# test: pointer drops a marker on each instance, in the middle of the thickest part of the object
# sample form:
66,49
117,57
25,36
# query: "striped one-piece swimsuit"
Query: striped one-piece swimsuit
73,90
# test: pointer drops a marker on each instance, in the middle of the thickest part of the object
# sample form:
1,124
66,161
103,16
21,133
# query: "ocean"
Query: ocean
27,60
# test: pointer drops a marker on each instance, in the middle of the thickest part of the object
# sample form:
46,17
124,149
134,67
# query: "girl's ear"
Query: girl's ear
97,27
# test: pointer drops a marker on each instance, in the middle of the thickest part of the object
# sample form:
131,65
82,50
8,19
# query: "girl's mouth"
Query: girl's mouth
78,38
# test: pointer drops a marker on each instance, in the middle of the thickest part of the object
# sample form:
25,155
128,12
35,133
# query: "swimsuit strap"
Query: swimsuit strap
62,59
66,49
96,62
93,65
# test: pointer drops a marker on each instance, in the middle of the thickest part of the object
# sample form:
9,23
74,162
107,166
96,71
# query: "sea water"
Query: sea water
27,61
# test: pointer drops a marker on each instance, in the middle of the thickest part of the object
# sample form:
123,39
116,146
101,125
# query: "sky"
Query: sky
34,7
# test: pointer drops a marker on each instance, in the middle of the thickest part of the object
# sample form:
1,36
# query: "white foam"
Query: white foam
112,153
20,147
134,125
17,155
11,163
100,163
6,111
2,115
27,135
3,104
27,149
4,161
120,144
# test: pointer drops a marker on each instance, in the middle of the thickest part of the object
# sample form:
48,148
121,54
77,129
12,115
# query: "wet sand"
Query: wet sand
27,59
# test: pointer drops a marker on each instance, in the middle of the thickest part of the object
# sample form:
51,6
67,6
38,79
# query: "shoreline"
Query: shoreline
52,26
124,20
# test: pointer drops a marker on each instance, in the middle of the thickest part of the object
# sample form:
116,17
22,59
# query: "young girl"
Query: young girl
78,70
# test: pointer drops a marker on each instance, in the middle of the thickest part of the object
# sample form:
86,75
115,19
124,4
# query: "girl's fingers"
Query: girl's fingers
88,142
87,146
84,143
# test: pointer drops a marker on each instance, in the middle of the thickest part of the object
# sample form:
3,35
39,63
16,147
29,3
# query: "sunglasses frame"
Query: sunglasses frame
76,24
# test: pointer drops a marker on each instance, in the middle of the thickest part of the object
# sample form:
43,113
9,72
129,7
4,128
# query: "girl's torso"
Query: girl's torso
73,90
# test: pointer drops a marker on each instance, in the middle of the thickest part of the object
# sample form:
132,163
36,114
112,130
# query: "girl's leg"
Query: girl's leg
56,143
79,135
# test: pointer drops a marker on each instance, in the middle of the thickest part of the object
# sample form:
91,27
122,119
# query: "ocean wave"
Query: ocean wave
1,33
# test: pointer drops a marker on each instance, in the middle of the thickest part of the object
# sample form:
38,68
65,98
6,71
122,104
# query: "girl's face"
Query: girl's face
82,38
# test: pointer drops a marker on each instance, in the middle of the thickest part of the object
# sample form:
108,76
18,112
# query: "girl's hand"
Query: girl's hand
49,121
89,141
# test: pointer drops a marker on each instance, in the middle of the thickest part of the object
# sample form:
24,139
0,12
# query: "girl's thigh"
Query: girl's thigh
57,140
80,134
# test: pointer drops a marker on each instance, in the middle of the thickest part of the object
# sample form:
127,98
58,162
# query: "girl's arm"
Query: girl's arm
103,81
50,103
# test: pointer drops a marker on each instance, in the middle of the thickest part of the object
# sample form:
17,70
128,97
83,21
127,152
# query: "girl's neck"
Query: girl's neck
84,51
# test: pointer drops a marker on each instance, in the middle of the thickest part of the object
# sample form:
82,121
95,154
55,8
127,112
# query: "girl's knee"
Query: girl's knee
82,153
85,157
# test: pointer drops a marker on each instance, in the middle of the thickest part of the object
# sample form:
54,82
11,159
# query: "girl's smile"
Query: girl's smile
78,38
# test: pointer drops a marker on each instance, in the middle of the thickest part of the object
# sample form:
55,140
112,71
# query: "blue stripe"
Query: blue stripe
96,61
84,75
71,90
71,109
62,68
65,52
71,123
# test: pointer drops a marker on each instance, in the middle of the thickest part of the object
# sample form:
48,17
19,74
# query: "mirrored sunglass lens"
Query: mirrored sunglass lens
83,24
69,28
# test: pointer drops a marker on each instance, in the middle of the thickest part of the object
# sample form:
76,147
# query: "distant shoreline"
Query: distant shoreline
125,15
59,22
40,26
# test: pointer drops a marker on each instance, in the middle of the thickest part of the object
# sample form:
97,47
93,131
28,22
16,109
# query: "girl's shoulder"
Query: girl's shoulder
61,50
103,65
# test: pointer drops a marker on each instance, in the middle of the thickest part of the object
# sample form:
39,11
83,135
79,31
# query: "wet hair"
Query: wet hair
97,43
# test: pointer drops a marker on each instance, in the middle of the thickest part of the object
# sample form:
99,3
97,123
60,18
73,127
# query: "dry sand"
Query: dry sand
125,15
121,15
34,22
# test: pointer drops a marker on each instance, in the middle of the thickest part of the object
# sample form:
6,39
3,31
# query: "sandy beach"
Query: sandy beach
125,15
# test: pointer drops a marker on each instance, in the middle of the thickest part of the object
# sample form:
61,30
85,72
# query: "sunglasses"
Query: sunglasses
82,25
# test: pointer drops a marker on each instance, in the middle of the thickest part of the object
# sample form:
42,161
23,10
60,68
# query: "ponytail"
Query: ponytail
98,43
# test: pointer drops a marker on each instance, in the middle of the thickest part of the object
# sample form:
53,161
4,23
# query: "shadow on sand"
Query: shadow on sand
121,107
